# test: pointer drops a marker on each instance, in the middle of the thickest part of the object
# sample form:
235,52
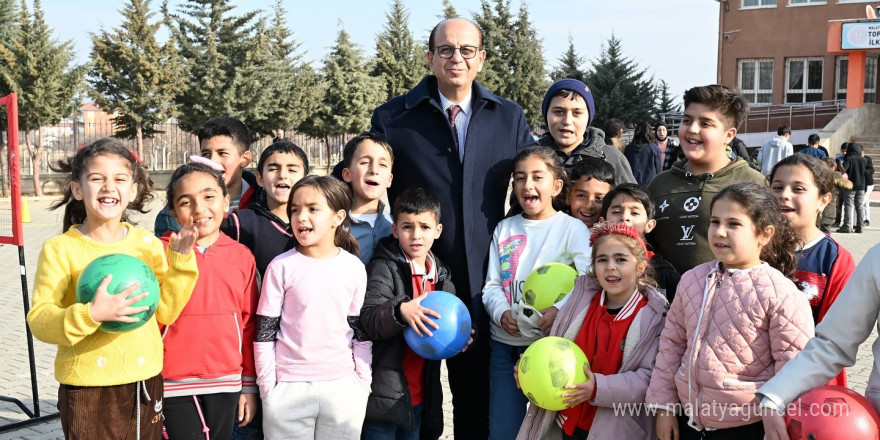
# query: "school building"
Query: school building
775,51
786,57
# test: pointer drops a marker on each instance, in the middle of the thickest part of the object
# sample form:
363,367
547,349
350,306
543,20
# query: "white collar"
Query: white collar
465,104
430,270
812,242
628,309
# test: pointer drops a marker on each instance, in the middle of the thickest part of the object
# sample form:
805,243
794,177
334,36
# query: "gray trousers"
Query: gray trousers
329,409
852,202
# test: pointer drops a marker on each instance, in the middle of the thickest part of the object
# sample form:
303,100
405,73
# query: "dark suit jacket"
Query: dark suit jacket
472,192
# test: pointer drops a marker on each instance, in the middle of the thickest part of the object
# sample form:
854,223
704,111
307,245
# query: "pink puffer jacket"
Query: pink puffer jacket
727,332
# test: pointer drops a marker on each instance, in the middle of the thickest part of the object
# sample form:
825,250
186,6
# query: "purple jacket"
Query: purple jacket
627,387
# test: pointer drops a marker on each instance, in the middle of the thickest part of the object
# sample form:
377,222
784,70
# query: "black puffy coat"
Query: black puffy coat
389,284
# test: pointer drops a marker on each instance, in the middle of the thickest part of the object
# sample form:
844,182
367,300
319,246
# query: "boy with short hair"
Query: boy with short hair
613,131
406,398
855,166
265,230
630,204
568,110
591,179
368,159
683,193
223,140
775,150
813,148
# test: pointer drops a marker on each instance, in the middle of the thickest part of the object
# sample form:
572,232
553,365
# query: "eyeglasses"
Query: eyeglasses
467,52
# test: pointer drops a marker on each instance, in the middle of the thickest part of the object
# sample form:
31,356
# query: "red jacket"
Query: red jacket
209,348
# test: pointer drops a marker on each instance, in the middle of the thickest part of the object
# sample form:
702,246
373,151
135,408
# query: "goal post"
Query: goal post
11,233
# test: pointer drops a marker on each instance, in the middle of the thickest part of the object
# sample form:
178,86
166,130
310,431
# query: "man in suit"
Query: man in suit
456,139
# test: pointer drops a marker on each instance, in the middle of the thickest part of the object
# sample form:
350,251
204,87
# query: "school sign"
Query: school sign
863,35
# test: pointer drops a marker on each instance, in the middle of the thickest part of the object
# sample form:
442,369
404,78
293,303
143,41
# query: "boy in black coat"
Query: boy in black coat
406,398
855,166
630,204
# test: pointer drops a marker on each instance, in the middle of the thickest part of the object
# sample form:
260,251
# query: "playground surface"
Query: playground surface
15,378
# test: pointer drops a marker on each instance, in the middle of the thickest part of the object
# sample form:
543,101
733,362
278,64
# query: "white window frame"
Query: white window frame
799,3
840,79
751,95
761,4
804,91
870,78
856,1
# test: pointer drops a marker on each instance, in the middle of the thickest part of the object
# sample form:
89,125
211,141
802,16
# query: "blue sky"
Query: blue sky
676,40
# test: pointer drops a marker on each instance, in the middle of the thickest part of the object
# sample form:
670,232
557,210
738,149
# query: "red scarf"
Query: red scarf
601,337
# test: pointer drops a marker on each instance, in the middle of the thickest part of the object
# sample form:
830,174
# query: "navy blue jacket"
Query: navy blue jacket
644,161
261,231
472,192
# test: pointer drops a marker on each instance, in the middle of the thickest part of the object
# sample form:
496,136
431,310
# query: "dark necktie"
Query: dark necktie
453,111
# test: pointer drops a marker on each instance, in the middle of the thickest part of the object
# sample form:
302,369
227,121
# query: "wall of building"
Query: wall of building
779,33
864,120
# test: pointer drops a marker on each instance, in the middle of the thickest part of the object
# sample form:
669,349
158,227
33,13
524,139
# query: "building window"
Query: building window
756,81
758,4
806,2
803,80
842,69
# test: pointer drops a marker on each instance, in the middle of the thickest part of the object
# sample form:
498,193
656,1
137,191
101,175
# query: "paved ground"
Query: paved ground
14,373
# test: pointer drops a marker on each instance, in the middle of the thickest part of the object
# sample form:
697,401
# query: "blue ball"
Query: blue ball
454,331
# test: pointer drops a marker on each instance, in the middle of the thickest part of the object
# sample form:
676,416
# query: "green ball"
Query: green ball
126,271
548,284
547,366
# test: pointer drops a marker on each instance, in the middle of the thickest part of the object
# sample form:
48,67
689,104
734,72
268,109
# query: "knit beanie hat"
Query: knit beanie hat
575,86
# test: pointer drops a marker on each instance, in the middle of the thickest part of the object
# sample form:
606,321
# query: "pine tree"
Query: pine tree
273,76
399,61
301,87
496,28
448,10
133,75
41,70
8,34
666,102
351,96
570,64
620,89
528,79
514,66
215,45
8,30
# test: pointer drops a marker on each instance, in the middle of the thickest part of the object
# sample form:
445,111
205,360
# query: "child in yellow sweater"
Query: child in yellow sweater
110,382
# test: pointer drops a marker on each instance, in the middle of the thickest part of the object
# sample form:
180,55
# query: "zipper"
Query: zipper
694,350
237,330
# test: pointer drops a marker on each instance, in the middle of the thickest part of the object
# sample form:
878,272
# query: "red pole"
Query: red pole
855,79
14,172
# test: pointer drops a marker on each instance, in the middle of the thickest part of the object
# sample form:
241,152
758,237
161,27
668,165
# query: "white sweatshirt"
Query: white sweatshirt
519,246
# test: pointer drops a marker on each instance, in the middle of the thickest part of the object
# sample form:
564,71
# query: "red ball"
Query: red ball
832,412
